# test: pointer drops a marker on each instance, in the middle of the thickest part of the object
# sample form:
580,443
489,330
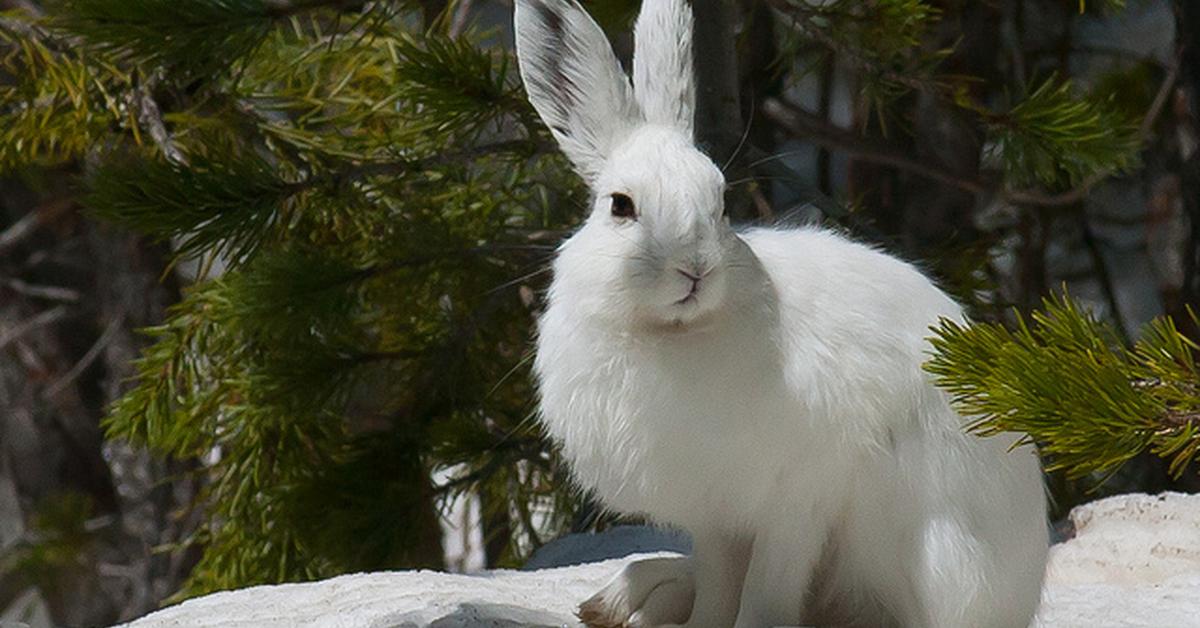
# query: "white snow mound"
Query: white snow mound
1134,561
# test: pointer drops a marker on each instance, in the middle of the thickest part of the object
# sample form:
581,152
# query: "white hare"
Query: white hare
761,389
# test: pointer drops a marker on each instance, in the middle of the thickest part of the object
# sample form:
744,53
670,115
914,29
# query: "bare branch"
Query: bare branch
87,359
50,293
804,124
24,327
19,230
458,23
1076,194
150,116
28,224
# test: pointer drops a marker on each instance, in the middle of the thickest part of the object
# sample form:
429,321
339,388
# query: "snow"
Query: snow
1134,561
499,599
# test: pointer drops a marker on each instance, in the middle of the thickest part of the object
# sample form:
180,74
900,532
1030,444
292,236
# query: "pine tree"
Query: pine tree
382,203
370,206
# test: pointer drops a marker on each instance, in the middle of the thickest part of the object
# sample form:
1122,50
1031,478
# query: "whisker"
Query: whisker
765,178
769,158
745,134
641,255
524,360
639,244
517,280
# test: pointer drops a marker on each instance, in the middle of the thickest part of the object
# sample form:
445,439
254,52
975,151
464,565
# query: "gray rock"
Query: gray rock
618,542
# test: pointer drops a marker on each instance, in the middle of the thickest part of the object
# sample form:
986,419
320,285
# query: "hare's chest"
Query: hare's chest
700,442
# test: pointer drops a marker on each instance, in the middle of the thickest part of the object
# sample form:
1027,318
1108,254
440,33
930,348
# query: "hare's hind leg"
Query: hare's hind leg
960,579
974,561
981,543
956,538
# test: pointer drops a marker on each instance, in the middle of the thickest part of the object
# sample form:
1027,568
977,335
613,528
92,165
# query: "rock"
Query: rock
1134,561
618,542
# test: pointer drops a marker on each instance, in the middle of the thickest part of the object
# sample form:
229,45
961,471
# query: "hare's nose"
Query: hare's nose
695,277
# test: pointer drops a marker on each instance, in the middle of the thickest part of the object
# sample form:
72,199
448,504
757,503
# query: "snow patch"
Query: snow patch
1134,561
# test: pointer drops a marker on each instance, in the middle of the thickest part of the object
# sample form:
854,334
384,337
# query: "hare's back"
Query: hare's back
821,275
853,321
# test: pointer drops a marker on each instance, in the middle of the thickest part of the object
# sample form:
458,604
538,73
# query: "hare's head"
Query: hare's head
656,249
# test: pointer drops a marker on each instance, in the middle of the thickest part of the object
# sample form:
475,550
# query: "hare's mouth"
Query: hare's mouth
689,299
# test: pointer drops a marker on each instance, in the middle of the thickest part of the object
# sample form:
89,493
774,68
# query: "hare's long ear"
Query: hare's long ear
574,80
663,80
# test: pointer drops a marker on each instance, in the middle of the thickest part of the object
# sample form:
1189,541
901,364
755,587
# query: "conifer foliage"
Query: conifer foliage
371,206
1066,381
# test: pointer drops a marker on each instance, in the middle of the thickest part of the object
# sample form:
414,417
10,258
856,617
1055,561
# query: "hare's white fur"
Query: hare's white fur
761,389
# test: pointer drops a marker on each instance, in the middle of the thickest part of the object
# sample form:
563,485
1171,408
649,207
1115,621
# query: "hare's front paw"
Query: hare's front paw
646,593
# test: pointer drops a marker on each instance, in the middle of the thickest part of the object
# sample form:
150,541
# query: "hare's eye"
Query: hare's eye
622,206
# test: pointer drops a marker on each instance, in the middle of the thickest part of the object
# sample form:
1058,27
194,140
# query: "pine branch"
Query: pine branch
365,99
387,202
807,126
230,203
227,205
194,38
61,102
1063,379
21,28
1053,137
150,116
1145,132
879,39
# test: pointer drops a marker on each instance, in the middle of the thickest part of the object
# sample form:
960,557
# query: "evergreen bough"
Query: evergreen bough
382,205
1065,380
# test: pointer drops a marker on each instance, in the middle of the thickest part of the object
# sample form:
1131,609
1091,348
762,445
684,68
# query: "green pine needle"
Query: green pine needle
226,205
58,103
1062,378
195,37
1055,138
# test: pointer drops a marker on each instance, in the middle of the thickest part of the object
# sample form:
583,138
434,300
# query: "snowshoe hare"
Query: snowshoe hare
761,389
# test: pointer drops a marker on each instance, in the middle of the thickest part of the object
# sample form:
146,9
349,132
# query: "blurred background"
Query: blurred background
269,269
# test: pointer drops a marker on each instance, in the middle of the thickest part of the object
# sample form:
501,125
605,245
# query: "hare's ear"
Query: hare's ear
574,80
663,79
